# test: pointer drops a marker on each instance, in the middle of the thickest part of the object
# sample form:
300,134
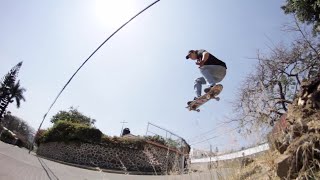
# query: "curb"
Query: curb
99,169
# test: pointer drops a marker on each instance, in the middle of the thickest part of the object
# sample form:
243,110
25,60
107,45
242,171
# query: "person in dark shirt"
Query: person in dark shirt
212,69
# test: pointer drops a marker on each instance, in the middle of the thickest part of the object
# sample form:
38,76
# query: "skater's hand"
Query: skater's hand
200,63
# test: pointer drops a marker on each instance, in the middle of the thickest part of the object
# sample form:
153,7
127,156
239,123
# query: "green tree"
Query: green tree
18,126
71,131
306,11
73,115
9,90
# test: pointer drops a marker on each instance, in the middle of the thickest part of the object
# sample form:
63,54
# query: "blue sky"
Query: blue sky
141,74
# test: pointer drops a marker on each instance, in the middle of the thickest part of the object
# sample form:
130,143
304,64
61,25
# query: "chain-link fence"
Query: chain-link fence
173,142
171,139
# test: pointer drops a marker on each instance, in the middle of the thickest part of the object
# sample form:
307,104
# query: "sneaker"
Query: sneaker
189,102
206,90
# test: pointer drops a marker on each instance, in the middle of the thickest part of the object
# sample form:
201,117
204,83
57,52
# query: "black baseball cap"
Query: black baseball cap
190,51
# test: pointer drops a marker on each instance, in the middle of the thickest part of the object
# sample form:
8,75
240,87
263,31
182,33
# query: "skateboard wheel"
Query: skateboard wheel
217,98
198,110
208,96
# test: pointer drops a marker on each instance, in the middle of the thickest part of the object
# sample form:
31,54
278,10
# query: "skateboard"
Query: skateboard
212,94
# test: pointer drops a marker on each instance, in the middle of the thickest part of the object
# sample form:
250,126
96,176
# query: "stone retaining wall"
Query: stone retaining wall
152,158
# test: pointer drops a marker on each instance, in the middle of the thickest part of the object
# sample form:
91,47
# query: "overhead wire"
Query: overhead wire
207,132
215,136
73,75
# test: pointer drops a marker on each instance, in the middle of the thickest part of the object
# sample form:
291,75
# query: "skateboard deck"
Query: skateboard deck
212,94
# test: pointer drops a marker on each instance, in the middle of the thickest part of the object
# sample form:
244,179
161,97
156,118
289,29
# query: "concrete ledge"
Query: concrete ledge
99,169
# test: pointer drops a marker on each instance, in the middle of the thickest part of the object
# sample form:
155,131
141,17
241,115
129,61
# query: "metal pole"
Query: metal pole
122,127
210,154
147,129
182,157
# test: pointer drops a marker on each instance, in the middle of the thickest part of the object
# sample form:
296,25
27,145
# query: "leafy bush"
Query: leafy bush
73,115
172,143
167,142
68,131
136,143
38,136
157,139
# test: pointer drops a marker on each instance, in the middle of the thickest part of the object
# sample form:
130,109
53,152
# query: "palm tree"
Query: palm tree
10,91
16,94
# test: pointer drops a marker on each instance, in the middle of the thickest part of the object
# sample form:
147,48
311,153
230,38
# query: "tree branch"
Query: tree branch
282,96
305,38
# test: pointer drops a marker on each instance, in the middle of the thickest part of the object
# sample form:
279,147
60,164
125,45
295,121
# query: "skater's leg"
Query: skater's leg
213,74
198,85
206,72
218,72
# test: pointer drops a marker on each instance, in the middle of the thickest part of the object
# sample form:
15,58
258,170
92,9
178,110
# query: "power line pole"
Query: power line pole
210,155
122,127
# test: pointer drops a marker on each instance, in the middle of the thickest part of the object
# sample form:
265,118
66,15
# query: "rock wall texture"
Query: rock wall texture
151,158
298,139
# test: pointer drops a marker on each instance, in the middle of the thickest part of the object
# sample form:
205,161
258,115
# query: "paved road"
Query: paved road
17,164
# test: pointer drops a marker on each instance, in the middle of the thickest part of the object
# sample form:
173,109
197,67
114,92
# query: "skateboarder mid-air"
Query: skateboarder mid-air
212,69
